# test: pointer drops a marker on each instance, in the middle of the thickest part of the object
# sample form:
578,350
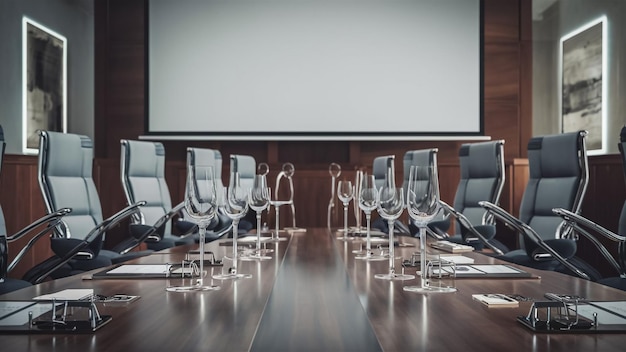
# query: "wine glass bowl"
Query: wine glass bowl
345,193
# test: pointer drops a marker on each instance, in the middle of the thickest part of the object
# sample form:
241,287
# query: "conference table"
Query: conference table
313,295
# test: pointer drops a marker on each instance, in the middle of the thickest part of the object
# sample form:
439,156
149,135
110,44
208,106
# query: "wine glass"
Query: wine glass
234,203
368,197
201,205
334,170
276,202
345,193
289,170
390,206
422,206
259,200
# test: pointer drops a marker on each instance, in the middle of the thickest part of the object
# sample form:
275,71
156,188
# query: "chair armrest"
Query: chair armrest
581,224
103,227
52,220
528,232
464,221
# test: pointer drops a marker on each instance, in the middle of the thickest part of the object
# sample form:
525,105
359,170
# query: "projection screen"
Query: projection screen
314,68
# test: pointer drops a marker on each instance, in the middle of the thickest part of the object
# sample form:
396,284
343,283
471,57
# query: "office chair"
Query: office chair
221,224
143,178
586,227
482,178
558,179
43,225
65,180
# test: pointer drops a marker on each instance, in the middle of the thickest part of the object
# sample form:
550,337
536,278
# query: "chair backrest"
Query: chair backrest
422,157
143,178
482,178
380,169
559,175
245,165
208,157
65,179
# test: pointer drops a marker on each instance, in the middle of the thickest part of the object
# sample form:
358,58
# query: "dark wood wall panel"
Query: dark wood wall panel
502,20
502,63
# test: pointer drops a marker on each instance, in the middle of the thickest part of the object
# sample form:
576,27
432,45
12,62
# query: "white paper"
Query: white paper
140,269
72,294
496,269
21,317
604,317
457,259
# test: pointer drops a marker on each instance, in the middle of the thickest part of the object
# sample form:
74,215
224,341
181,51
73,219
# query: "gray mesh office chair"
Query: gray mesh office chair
143,178
65,180
588,228
482,178
36,230
558,179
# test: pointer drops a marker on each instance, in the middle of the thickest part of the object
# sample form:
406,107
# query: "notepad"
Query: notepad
72,294
452,247
457,259
496,300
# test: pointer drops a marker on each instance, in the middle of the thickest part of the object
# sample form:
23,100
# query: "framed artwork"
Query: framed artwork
44,79
583,83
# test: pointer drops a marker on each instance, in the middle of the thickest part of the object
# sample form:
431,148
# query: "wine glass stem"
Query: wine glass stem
235,234
345,220
368,247
277,220
201,234
392,269
423,268
258,231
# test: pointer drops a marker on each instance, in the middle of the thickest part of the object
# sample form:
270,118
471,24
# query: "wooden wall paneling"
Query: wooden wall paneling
313,152
526,72
501,20
22,204
602,204
120,81
501,72
502,122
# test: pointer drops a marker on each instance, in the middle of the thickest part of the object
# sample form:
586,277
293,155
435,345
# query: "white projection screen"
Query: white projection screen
306,68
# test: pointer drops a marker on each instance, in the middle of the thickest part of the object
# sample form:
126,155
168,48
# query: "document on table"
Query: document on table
608,313
484,271
72,294
141,269
15,313
457,259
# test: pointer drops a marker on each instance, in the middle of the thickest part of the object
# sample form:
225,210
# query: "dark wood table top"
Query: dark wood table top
313,295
